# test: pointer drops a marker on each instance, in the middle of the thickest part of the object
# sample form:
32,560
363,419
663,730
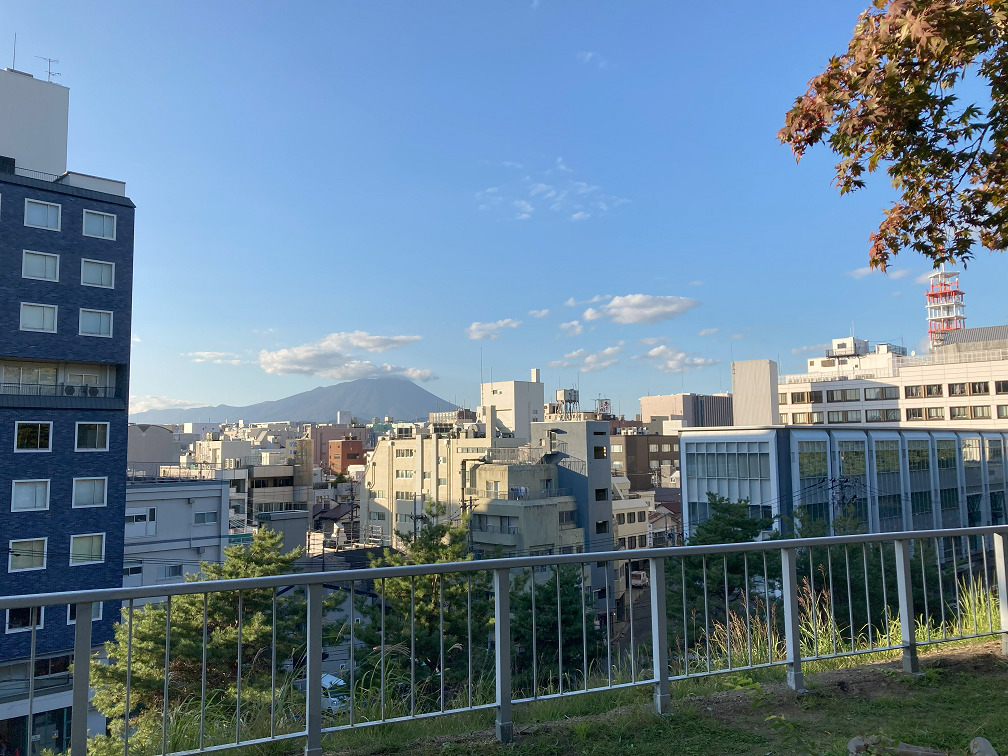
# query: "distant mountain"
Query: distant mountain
364,398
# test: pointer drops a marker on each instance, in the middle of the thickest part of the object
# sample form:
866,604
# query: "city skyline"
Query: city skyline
438,193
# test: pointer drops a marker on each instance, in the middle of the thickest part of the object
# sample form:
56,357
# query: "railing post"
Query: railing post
1001,568
908,635
502,652
659,632
313,673
81,680
792,629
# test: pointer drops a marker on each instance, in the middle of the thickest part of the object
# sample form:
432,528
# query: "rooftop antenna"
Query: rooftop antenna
13,64
49,62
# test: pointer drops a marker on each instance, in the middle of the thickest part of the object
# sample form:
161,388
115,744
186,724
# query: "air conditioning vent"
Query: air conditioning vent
69,390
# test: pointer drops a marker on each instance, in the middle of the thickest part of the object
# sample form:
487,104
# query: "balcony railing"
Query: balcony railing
497,529
58,389
703,610
519,493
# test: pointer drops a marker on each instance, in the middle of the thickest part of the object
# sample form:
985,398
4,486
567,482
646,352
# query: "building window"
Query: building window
172,571
1001,387
27,554
38,317
666,447
843,395
602,526
600,452
620,519
568,517
99,225
980,388
616,448
29,495
845,416
96,611
913,392
89,492
799,397
400,453
932,390
877,393
915,413
1002,411
782,398
87,549
631,517
935,413
95,323
957,389
92,437
206,518
959,413
782,418
40,266
42,215
98,273
32,437
981,412
601,494
408,474
653,448
141,522
132,568
20,620
873,416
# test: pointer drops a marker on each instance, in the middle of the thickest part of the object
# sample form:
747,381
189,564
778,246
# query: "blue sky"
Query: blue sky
334,190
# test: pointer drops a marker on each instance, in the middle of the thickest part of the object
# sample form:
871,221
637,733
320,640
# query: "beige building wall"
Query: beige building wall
754,391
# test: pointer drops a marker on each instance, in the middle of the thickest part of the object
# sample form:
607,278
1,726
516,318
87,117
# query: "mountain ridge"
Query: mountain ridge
364,398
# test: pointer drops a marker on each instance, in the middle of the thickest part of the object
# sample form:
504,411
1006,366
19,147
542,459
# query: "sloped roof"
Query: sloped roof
982,333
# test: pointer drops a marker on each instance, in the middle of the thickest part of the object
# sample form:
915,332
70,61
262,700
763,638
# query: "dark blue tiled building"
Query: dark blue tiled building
66,279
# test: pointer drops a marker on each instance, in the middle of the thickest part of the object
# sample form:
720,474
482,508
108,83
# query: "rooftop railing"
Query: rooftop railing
518,493
58,389
205,668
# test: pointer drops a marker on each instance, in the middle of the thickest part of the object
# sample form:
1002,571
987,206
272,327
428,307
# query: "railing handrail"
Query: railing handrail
473,565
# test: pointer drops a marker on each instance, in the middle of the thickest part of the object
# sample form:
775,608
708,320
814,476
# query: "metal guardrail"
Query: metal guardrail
58,389
518,493
40,175
790,603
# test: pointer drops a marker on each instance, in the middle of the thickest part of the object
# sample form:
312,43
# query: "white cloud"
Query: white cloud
512,164
737,337
561,165
135,339
538,313
582,187
810,348
707,331
332,357
925,277
696,283
652,340
547,191
859,272
641,308
671,360
898,274
477,330
524,208
571,302
897,294
592,58
215,358
149,402
580,215
573,328
588,362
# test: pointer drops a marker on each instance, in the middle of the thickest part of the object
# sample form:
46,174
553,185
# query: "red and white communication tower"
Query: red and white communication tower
945,308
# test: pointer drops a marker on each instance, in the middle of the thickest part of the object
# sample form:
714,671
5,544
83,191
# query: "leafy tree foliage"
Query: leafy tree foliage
421,607
576,628
895,98
147,652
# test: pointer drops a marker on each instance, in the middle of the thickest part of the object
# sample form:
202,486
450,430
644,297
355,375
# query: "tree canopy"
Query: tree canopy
923,91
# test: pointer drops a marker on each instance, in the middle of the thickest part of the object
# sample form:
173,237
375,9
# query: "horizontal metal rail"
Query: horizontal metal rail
427,640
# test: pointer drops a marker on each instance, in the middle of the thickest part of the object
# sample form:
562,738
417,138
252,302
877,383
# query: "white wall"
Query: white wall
33,129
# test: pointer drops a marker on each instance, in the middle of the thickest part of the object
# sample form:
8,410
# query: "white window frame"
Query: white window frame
39,626
73,493
55,309
26,252
97,262
32,422
76,432
93,561
99,604
80,323
104,215
59,214
10,554
48,483
164,572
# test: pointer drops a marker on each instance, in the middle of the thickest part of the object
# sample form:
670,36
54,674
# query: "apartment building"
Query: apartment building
688,410
343,453
960,384
640,458
518,403
66,270
890,479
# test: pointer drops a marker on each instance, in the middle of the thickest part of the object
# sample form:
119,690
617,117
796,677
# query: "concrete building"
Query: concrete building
172,526
640,458
517,509
518,403
688,410
961,385
321,435
66,272
343,453
891,479
152,444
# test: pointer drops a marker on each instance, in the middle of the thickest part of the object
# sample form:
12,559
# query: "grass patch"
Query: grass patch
959,695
